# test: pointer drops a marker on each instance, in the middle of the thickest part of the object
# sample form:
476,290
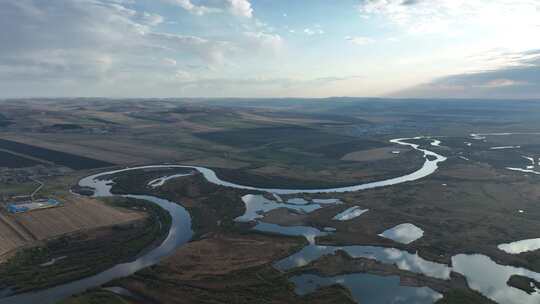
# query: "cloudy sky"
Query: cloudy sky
270,48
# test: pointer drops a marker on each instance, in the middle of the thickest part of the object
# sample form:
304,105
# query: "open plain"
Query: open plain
474,200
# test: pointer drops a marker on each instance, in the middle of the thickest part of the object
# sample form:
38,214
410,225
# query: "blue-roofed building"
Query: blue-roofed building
12,208
32,205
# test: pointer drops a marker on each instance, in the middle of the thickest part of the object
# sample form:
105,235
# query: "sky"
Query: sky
270,48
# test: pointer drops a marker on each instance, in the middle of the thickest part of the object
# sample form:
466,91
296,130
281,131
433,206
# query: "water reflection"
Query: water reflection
309,233
482,274
297,201
490,279
402,259
258,205
403,233
520,246
523,170
505,147
350,214
327,201
366,288
158,182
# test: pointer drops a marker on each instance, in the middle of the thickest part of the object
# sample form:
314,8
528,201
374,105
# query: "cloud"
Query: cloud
152,19
501,83
241,8
451,16
192,8
112,47
313,31
209,50
332,79
169,62
410,2
519,80
359,40
254,86
265,41
91,42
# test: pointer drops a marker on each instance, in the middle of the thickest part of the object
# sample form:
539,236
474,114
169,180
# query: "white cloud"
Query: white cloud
152,19
520,79
192,8
455,16
94,40
261,85
183,76
313,31
502,82
108,47
209,50
359,40
169,62
265,41
241,8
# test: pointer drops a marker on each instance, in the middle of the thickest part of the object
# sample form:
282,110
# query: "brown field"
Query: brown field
78,213
120,150
221,254
225,268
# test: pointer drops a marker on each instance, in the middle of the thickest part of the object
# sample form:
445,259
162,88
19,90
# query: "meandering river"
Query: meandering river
181,232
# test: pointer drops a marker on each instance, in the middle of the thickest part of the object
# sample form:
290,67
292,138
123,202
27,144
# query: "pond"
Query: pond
403,233
367,288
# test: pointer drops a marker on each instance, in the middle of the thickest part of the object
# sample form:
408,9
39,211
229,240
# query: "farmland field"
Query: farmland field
76,214
61,158
85,251
10,160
